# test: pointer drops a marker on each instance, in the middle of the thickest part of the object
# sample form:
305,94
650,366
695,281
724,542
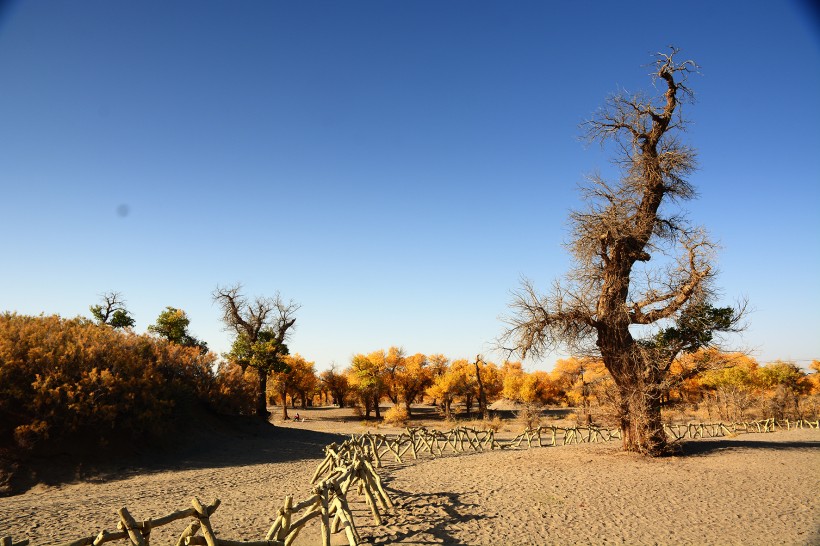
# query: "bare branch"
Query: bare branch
539,324
250,319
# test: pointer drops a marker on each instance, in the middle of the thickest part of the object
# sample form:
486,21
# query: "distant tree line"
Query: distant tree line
97,382
728,386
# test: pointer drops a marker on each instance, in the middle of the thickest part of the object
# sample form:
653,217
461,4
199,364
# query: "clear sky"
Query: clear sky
395,167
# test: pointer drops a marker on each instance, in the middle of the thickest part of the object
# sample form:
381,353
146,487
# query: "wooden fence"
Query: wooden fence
353,463
715,430
341,470
417,441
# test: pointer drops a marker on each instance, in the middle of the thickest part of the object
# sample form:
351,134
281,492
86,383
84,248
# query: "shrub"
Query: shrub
233,391
529,416
396,415
69,380
493,424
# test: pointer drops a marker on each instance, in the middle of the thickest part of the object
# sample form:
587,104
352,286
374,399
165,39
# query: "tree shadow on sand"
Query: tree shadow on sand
695,448
212,442
423,518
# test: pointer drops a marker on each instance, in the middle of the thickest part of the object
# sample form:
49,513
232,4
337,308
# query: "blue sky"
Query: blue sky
394,167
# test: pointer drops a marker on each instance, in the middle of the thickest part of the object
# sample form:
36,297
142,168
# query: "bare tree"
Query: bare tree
261,326
611,294
111,311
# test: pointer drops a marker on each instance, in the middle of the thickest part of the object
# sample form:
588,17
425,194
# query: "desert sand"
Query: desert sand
748,489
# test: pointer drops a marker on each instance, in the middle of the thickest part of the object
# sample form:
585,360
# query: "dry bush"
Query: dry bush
233,392
811,407
529,416
494,423
397,416
606,416
72,382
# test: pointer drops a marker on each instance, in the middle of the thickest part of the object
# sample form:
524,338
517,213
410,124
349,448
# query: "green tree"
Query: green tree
172,324
112,312
261,326
266,355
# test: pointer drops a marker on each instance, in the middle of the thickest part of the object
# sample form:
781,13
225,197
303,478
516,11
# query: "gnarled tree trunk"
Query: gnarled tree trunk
261,395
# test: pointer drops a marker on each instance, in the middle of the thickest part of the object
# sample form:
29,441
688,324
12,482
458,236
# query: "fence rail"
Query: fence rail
329,502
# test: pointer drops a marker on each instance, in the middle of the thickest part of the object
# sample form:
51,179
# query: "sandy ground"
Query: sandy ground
750,489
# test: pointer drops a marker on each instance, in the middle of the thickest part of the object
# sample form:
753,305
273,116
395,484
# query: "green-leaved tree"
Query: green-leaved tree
261,326
172,324
112,312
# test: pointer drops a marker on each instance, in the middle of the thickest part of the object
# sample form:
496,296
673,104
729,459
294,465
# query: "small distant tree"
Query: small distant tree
297,377
785,383
394,361
365,379
492,384
336,384
538,389
112,312
463,382
261,327
447,386
733,387
438,364
513,380
172,324
412,378
305,382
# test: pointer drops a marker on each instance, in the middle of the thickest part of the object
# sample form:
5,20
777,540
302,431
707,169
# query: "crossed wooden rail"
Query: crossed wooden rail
352,463
343,468
714,430
419,440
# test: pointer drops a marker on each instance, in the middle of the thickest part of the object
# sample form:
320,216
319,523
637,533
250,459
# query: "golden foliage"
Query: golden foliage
397,415
234,390
70,378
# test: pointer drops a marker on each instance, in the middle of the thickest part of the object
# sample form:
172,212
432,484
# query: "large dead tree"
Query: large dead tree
262,326
613,304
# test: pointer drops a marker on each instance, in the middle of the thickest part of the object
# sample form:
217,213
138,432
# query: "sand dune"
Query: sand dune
750,489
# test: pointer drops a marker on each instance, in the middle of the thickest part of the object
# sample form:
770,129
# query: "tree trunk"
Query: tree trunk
639,382
640,417
482,398
376,406
284,395
261,395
